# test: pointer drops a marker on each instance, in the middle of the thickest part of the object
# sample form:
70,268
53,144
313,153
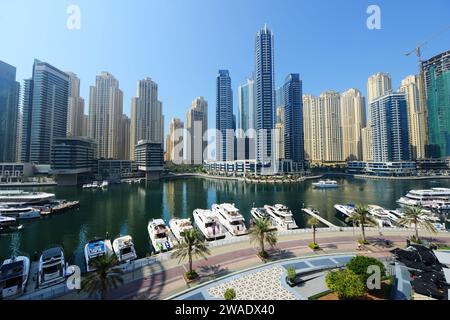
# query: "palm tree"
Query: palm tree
192,245
105,277
313,222
361,216
418,217
262,232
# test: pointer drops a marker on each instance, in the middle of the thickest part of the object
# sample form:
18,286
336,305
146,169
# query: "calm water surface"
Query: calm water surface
126,209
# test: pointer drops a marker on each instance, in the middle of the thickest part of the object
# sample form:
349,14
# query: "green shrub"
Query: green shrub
360,264
291,273
346,284
191,275
313,246
230,294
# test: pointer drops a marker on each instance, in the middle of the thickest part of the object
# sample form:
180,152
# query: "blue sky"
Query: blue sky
181,44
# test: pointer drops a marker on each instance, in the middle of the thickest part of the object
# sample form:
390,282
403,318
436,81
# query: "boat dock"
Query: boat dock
311,212
32,283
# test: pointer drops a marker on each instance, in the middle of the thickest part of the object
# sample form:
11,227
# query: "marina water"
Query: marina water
126,209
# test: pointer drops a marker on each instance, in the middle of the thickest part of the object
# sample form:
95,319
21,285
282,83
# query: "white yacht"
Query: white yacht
124,249
179,226
94,249
159,235
325,184
230,217
208,224
260,213
7,223
52,267
345,210
434,198
281,216
13,276
20,213
24,197
381,216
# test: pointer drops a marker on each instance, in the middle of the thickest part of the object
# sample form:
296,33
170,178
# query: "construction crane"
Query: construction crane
418,50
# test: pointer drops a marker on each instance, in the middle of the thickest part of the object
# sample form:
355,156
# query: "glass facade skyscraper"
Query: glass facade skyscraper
265,96
389,124
9,110
293,119
44,112
436,73
224,117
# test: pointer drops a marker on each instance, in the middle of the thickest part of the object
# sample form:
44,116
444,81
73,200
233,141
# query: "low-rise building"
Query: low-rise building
398,168
150,158
15,171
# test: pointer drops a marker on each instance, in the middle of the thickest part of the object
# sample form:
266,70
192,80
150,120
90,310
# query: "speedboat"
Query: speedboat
20,213
260,213
52,267
13,276
104,184
230,217
87,186
24,197
159,235
94,249
124,249
345,210
179,226
209,224
281,216
381,216
325,184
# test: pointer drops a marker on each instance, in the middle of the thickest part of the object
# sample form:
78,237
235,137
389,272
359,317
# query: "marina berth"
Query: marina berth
14,276
208,223
124,248
94,249
24,197
179,226
325,184
282,216
159,236
52,267
230,218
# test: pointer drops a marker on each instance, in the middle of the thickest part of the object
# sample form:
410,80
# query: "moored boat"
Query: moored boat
325,184
208,223
94,249
52,267
124,248
230,217
14,276
159,236
282,217
179,226
24,197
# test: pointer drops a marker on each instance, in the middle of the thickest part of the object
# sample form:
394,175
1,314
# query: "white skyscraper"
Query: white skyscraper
105,114
196,127
378,85
75,111
353,119
330,104
146,114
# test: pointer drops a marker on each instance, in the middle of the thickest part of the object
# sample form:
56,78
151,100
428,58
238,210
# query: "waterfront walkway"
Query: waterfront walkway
163,277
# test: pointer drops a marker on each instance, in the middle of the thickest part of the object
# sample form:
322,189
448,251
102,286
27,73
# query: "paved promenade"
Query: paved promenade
164,277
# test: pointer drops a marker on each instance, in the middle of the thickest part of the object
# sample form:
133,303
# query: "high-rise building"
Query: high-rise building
313,128
174,142
246,107
195,142
279,133
417,117
378,85
85,125
389,124
124,138
366,141
436,72
330,105
9,112
44,114
146,114
264,93
75,111
353,120
224,117
294,145
105,114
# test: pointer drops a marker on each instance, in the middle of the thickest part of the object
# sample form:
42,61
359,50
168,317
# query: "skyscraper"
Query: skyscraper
105,114
174,142
246,107
9,112
293,119
436,73
378,85
330,104
124,138
264,89
44,112
146,114
313,128
353,119
416,116
75,110
196,127
224,117
389,121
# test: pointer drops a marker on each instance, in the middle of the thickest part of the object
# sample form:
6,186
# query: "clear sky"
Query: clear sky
181,44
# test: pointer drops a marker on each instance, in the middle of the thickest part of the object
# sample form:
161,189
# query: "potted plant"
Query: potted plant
230,294
291,277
